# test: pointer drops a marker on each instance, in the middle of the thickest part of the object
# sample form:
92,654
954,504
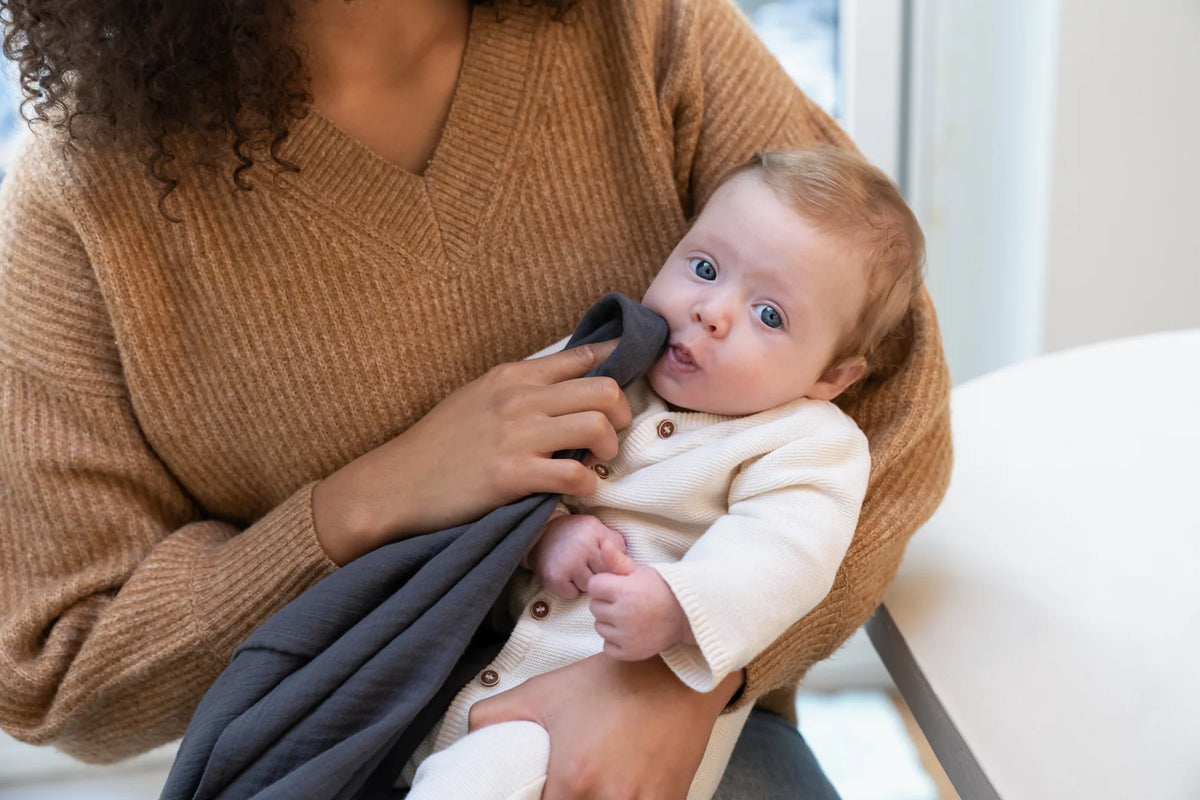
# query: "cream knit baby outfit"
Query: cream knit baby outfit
747,518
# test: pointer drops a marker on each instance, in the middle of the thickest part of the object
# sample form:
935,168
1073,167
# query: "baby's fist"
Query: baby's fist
573,548
637,614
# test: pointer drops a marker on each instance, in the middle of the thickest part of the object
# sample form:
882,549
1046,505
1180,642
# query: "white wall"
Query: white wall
1124,244
871,39
1053,157
1054,162
980,119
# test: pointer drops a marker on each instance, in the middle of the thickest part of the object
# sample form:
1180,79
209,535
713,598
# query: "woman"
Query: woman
225,379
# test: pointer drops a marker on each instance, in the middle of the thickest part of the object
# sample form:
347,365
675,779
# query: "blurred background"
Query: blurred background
1049,149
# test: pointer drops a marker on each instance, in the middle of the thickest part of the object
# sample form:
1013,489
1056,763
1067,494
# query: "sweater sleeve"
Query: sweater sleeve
120,602
722,97
772,558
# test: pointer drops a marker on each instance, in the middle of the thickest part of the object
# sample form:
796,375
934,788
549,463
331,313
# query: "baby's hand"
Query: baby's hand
636,612
569,553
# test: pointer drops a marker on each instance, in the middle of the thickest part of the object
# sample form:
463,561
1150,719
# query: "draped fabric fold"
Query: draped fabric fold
331,695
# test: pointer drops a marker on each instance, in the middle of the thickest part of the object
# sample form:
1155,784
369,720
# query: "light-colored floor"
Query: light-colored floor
41,773
865,739
870,747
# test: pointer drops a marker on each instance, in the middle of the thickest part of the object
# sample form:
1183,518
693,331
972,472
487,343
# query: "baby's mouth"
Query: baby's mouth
681,358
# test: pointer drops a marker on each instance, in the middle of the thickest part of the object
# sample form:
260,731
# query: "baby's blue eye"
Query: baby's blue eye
769,316
703,269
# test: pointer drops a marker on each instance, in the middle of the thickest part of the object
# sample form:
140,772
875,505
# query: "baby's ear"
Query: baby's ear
838,378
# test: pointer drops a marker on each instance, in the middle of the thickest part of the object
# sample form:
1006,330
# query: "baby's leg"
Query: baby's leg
506,761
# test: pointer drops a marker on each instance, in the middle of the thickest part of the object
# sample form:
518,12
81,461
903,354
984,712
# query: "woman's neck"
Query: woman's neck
376,44
385,71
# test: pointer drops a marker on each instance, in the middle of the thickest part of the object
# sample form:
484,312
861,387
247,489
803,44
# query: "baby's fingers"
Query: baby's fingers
564,588
617,644
581,576
605,623
609,633
604,588
611,556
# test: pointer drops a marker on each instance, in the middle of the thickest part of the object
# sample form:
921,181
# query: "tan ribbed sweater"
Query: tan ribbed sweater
170,392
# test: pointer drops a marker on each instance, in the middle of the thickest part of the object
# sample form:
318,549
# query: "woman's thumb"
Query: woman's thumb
503,707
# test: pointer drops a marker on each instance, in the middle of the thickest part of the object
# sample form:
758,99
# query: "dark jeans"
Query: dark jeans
772,762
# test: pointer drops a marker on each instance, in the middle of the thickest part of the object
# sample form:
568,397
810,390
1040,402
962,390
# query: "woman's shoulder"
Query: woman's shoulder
694,61
659,28
660,13
667,34
61,169
41,180
40,157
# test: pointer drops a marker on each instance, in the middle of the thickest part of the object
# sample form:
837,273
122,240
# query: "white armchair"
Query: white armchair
1045,624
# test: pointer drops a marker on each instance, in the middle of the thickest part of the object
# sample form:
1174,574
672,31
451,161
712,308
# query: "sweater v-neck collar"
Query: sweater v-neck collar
433,216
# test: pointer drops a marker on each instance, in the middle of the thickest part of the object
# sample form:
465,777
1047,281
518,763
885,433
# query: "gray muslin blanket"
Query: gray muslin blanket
331,695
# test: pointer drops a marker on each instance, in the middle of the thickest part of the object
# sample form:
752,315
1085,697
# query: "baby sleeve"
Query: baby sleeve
773,557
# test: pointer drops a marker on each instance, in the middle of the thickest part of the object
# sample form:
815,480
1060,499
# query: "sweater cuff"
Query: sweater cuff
253,574
705,664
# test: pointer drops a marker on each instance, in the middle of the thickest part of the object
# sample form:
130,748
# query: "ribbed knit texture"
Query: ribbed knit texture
170,391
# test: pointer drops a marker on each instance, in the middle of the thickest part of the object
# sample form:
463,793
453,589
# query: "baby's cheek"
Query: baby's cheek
748,390
663,383
654,376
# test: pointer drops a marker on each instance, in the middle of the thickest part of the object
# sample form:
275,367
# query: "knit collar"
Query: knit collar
437,213
649,407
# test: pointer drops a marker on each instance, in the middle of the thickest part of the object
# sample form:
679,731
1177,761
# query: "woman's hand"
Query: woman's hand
618,729
487,444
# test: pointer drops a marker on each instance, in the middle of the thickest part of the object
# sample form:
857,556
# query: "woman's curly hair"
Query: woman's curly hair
131,74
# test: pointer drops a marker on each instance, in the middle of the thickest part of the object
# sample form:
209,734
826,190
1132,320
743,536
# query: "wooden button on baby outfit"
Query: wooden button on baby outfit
540,609
489,677
601,470
665,429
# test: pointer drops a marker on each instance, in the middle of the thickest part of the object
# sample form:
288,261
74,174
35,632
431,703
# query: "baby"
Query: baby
737,487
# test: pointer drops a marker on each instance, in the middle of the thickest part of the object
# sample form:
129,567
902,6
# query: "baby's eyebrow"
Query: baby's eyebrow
714,243
783,288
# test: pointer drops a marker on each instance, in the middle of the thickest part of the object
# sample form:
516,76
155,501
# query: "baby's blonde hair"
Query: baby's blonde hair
841,192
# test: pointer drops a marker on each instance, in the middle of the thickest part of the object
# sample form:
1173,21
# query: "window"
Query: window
849,57
11,124
803,35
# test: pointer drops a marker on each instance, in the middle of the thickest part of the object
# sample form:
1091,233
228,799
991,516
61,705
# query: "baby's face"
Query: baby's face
757,300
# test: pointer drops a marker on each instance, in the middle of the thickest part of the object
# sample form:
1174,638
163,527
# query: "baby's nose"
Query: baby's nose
713,317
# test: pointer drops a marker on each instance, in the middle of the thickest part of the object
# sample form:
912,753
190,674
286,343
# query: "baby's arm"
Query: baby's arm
571,549
773,556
